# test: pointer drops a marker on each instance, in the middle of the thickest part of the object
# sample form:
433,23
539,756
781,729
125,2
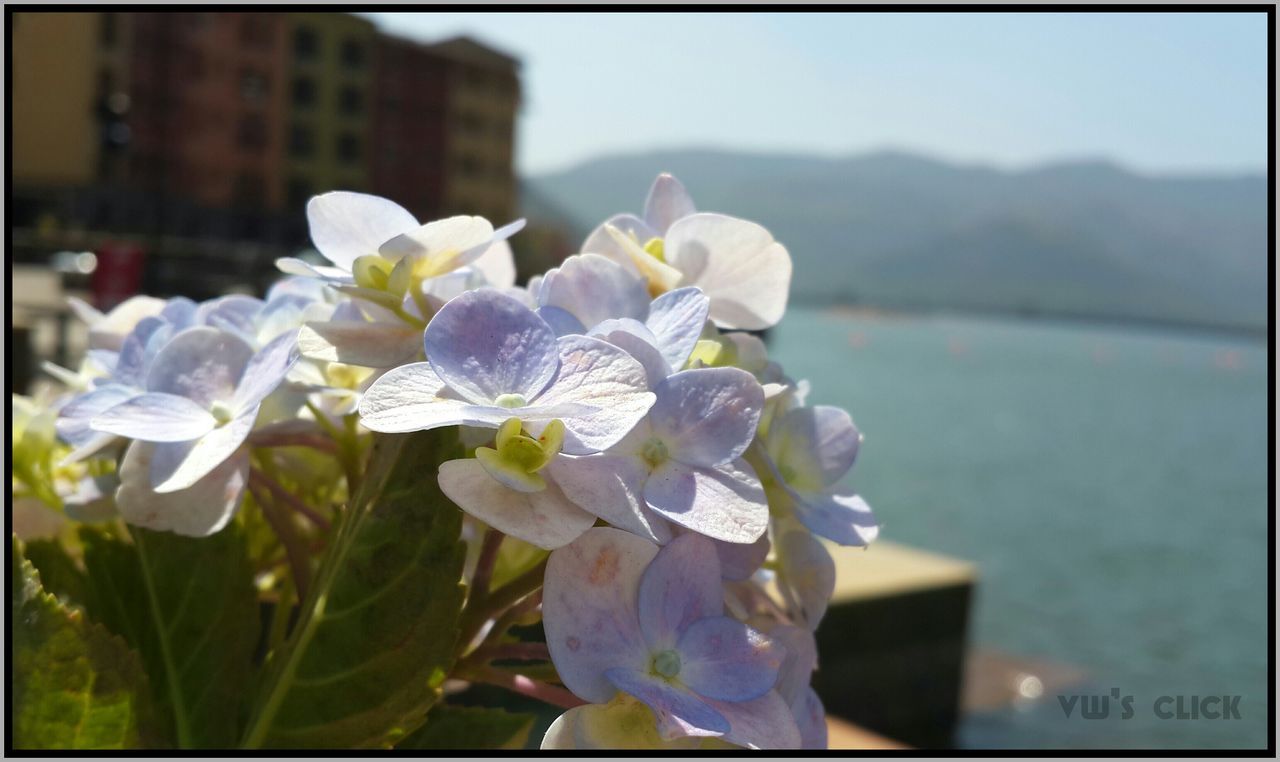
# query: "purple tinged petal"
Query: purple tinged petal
708,416
561,321
155,417
610,486
594,288
413,398
201,509
677,318
799,663
347,225
202,364
814,446
484,344
108,331
761,723
806,577
74,417
178,465
235,314
739,560
589,609
722,658
639,342
724,502
600,392
678,711
265,371
844,519
139,349
811,720
681,586
545,518
668,201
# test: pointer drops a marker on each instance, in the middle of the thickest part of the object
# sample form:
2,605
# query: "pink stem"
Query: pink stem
280,493
524,686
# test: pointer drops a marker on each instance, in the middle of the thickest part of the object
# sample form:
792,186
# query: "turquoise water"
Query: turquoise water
1111,485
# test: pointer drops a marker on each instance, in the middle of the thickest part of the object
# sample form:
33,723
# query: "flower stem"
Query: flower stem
523,685
287,497
484,565
474,617
294,546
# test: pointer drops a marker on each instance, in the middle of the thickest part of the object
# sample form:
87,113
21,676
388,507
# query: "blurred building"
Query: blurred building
217,126
330,81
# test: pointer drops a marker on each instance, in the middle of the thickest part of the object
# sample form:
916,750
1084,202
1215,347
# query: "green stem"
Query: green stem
474,617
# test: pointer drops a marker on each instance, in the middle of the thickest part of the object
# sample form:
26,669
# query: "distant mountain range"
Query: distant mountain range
888,229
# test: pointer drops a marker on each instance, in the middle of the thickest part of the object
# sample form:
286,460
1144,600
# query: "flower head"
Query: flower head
808,450
490,359
736,263
623,615
682,463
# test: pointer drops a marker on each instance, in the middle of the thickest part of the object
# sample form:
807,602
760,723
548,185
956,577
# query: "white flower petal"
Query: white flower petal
409,398
737,264
668,201
198,511
346,225
372,345
546,518
155,417
178,465
442,245
497,265
600,241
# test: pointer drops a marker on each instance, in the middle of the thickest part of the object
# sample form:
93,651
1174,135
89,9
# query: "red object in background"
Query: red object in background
118,275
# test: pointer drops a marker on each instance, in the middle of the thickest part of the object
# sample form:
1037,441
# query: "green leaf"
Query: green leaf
462,728
75,685
188,605
377,631
59,574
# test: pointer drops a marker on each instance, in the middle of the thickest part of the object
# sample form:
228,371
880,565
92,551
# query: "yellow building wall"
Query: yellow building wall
482,113
324,170
55,129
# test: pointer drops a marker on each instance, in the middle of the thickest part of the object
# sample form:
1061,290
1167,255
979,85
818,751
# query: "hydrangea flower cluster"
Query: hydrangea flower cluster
619,422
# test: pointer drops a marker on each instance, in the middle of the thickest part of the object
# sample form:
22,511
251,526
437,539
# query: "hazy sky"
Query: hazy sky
1157,92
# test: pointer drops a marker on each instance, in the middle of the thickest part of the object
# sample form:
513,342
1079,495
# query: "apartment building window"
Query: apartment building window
351,101
302,141
348,148
304,91
306,45
253,86
352,54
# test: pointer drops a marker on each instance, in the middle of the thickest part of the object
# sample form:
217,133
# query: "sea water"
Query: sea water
1109,482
